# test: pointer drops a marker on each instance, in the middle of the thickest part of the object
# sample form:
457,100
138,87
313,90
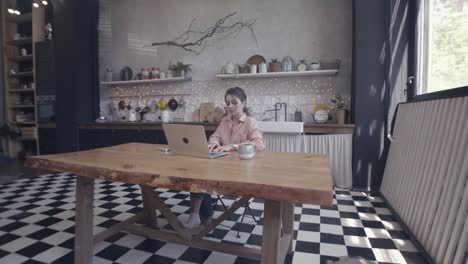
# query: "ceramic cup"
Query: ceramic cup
247,151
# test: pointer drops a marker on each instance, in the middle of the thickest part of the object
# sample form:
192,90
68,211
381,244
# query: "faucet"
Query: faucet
279,106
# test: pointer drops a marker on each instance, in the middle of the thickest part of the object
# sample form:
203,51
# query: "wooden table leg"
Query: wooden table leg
84,220
287,215
271,232
148,207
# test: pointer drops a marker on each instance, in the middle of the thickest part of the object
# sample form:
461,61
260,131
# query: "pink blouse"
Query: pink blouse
246,131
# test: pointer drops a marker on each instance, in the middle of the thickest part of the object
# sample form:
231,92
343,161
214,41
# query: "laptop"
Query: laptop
189,140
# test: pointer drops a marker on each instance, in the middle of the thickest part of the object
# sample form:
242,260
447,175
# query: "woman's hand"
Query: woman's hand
213,146
225,148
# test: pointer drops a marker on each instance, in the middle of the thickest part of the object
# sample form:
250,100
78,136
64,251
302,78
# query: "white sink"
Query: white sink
281,127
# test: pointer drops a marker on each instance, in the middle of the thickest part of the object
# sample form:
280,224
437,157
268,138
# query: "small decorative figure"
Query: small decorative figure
48,31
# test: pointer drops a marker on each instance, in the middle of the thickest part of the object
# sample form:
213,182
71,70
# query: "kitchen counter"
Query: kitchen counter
309,127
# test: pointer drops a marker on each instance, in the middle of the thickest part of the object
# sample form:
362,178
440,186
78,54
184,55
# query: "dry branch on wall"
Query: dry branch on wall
196,41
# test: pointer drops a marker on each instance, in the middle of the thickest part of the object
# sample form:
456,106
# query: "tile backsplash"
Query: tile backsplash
301,93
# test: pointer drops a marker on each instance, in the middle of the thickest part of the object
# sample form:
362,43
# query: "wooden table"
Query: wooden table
279,178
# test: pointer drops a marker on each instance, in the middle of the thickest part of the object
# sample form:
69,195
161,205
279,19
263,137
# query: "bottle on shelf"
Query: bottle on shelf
155,73
144,74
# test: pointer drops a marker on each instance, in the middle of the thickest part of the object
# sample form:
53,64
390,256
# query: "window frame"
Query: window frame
420,42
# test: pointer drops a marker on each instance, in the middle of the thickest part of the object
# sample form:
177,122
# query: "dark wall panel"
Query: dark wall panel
369,93
75,43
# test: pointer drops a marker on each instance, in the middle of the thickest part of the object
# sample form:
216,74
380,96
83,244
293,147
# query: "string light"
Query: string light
36,5
11,11
44,2
17,12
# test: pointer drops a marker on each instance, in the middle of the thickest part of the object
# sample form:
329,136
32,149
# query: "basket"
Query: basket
330,64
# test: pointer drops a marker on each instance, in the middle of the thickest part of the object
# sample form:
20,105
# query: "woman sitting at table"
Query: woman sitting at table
235,128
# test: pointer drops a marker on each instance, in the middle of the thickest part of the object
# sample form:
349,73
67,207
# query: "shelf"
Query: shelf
23,18
21,74
21,58
149,95
18,42
21,106
21,90
175,79
278,74
24,123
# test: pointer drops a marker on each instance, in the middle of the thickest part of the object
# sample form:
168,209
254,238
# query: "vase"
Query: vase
275,67
340,117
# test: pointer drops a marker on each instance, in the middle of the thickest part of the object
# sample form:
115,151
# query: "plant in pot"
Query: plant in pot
180,69
338,104
275,66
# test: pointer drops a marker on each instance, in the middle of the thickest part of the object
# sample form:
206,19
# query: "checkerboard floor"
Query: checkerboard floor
37,226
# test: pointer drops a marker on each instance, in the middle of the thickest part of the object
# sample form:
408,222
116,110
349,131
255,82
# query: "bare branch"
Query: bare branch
196,41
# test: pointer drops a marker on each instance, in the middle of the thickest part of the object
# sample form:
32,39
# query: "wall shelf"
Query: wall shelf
278,74
21,90
149,81
21,74
18,42
21,58
21,106
150,95
24,123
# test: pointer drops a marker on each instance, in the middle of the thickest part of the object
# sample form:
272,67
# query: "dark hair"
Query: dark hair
241,95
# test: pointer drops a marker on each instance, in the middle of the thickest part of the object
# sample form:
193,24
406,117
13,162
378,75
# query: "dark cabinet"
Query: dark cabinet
97,138
47,141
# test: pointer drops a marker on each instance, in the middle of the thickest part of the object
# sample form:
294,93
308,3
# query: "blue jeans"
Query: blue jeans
206,208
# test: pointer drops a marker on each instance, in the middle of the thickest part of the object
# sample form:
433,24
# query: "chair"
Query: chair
246,207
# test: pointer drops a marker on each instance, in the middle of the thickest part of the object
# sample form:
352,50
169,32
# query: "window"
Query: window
442,45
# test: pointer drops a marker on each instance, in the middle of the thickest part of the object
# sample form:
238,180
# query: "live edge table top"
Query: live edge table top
293,177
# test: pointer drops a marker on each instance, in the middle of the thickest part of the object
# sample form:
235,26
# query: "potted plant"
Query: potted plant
180,69
275,65
338,104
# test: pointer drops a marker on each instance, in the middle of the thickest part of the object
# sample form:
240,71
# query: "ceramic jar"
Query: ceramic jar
262,68
253,68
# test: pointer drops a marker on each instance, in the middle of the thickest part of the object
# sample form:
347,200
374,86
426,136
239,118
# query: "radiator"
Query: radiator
426,175
338,147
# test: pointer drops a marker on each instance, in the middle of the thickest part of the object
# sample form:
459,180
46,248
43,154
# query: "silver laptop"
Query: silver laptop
189,140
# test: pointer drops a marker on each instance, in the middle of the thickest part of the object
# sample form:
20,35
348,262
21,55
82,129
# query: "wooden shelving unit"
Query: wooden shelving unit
18,84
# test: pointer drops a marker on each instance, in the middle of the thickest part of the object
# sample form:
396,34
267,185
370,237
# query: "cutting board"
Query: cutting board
218,114
207,112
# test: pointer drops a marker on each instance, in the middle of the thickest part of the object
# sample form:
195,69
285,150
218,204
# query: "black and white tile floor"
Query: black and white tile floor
37,226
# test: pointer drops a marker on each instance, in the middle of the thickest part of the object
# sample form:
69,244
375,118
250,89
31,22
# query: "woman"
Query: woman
237,127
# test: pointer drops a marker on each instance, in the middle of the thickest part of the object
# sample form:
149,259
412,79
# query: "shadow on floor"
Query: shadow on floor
13,169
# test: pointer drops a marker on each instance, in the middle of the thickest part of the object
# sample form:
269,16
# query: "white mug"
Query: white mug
165,116
162,75
262,68
253,68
